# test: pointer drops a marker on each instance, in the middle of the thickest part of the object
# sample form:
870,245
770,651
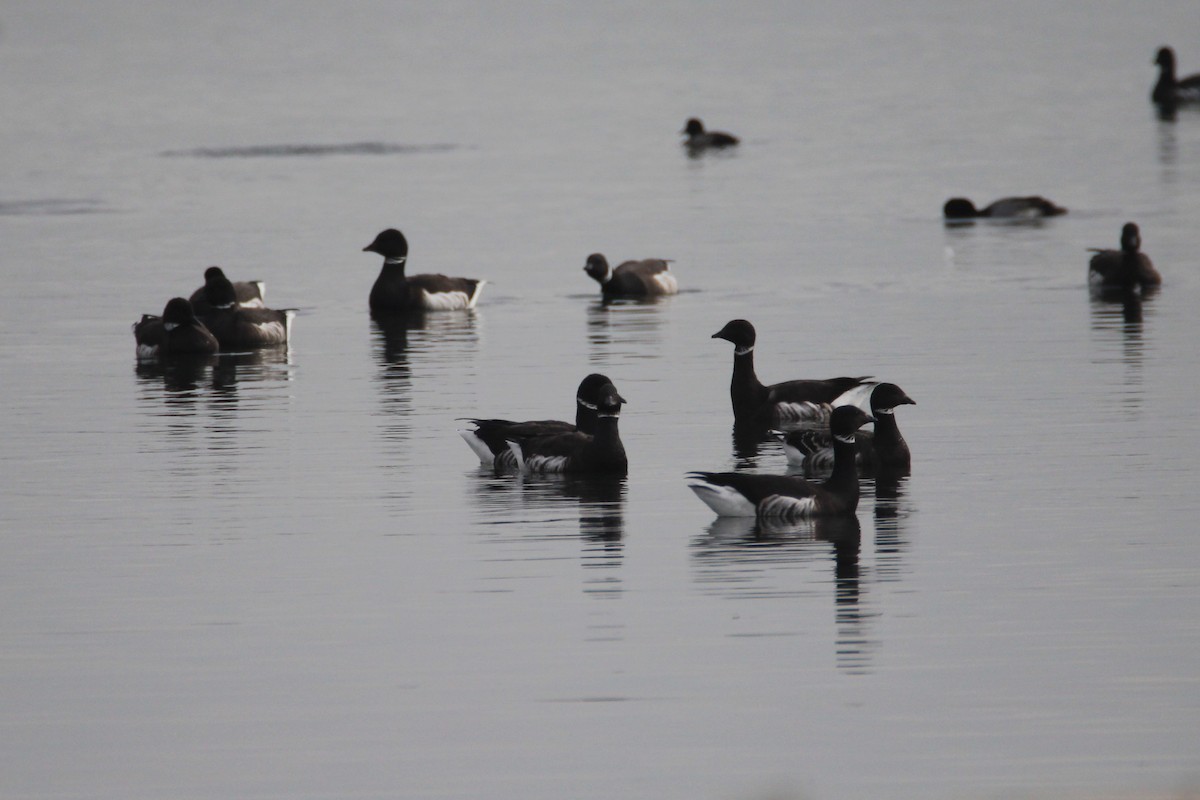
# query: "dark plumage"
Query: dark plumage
700,139
741,494
1127,268
883,449
248,294
243,328
600,453
396,293
489,438
782,405
646,278
176,332
1006,207
1170,91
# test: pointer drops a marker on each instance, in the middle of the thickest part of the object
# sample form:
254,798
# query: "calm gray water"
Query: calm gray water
286,576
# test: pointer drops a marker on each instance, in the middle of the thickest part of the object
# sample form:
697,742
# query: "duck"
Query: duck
176,332
1126,268
700,139
743,494
575,452
782,405
489,438
248,294
1169,91
396,293
883,449
238,328
1030,207
649,277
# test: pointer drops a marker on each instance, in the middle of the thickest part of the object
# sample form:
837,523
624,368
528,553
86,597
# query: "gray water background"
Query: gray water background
286,576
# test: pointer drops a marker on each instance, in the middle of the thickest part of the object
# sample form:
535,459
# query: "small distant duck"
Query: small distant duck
1127,268
782,405
742,494
575,452
647,278
489,439
248,294
1029,207
1169,91
883,449
396,293
700,139
238,328
176,332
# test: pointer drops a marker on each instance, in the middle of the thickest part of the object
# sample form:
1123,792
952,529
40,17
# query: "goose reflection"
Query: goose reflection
737,558
187,376
1118,319
627,327
891,522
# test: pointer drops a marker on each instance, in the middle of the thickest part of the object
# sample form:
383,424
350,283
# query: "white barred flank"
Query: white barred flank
536,463
145,351
778,505
666,282
791,414
450,301
725,501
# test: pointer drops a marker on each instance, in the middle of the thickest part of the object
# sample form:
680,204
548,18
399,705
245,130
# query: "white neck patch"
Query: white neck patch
888,411
170,326
741,351
586,404
845,439
396,260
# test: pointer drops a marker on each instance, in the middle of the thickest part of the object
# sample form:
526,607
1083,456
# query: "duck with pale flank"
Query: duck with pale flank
1030,207
176,332
238,328
881,450
783,405
397,293
1170,91
649,277
490,437
742,494
575,452
700,139
247,294
1127,268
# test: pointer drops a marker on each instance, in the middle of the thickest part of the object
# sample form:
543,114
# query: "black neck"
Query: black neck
607,448
746,390
843,481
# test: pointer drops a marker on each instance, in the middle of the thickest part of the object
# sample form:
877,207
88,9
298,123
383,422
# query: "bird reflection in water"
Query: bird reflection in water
891,522
627,327
1118,318
736,555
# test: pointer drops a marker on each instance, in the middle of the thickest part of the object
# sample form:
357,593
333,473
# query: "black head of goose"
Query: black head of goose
601,453
1170,91
247,294
700,139
239,328
782,405
878,450
397,293
490,437
742,494
176,332
1127,268
649,277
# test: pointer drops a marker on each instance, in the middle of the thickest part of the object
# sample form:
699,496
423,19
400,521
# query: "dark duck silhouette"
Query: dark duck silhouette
397,293
248,294
782,405
883,449
1127,268
238,328
490,437
176,332
1170,91
743,494
700,139
599,453
1030,207
647,278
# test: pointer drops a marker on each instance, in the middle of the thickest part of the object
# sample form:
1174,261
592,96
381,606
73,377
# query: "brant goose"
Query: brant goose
243,328
599,454
490,437
700,139
176,332
1168,91
741,494
646,278
782,405
394,293
249,294
1006,207
881,450
1126,268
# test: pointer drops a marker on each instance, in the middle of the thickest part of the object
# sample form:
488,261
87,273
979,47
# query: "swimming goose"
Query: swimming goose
248,294
176,332
239,328
646,278
1169,91
489,439
396,293
782,405
742,494
878,450
1126,268
576,452
700,139
1006,207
